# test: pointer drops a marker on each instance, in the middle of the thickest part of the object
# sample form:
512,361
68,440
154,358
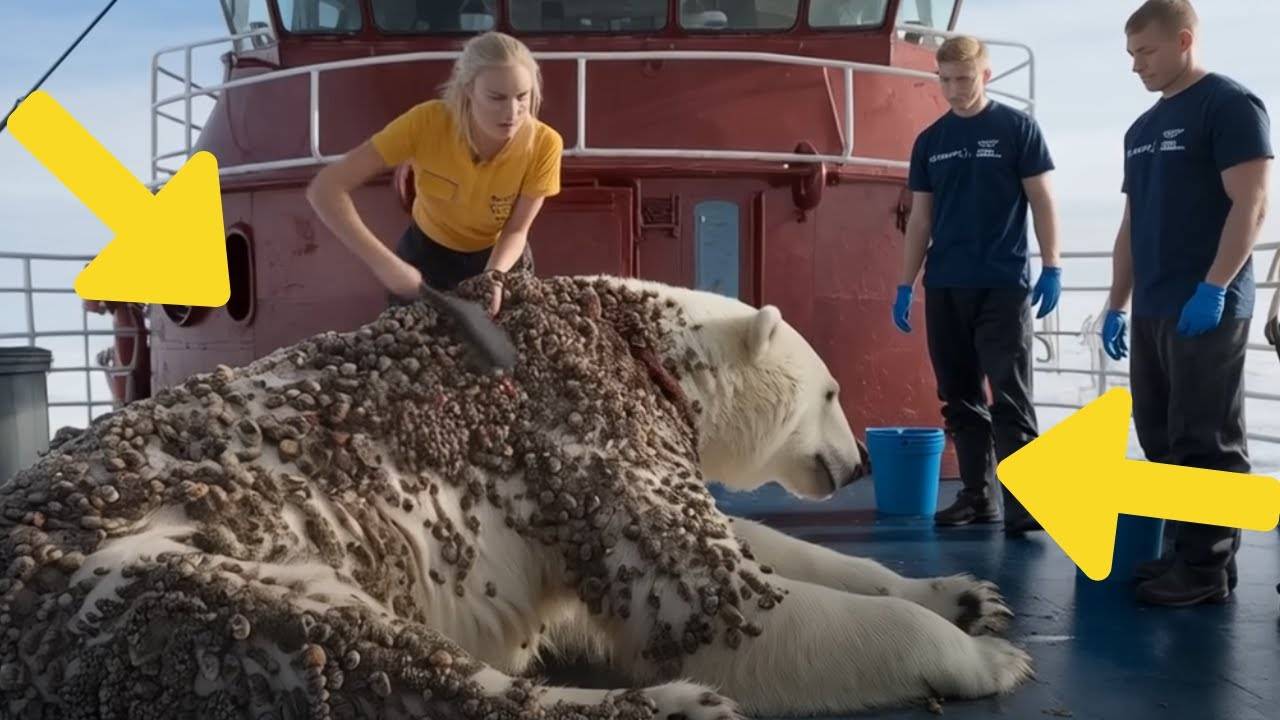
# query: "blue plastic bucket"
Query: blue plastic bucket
905,464
1138,539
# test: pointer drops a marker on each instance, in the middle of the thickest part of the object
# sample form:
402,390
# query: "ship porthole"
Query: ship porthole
240,306
183,315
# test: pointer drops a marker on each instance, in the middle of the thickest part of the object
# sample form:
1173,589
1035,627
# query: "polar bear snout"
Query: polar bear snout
838,474
864,467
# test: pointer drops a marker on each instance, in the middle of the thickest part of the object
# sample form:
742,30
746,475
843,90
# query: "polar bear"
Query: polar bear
362,525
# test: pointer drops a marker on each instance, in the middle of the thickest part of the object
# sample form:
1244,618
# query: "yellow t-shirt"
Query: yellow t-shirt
462,204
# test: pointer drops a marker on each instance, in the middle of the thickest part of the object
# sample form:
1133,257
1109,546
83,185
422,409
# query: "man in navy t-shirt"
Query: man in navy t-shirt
1195,174
973,175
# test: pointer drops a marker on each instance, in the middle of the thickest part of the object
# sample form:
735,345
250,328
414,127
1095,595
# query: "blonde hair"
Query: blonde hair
963,49
488,50
1173,15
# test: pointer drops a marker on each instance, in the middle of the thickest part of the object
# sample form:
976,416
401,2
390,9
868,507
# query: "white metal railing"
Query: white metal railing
1029,64
30,293
191,90
582,59
1101,372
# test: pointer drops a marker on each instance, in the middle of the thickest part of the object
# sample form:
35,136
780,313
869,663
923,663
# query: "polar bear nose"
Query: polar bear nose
860,472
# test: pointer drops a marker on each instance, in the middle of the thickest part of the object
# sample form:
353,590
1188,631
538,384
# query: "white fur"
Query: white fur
833,645
974,605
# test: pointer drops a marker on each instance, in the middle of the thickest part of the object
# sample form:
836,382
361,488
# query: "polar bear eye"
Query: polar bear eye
831,395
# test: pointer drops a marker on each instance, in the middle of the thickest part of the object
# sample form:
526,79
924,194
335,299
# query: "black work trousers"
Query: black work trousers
444,268
979,335
1188,406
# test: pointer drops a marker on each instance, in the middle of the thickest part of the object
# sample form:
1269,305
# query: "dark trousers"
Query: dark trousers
1188,406
977,335
444,268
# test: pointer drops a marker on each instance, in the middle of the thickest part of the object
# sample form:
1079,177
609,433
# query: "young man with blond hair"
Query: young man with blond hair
1195,180
973,174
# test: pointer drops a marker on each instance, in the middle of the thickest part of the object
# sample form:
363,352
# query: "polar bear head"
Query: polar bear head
771,409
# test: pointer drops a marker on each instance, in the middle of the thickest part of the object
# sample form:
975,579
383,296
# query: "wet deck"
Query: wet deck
1099,655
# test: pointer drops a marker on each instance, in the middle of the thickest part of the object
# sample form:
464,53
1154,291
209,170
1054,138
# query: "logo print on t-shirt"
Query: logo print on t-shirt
1171,141
962,154
500,206
987,149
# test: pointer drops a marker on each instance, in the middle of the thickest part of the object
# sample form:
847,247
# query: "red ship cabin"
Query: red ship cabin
755,148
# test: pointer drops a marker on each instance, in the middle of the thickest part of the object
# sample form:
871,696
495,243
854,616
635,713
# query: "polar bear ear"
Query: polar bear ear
761,331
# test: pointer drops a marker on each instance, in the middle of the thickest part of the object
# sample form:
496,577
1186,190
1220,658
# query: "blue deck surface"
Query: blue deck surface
1098,653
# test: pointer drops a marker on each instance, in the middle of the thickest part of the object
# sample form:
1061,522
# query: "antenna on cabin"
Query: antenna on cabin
5,122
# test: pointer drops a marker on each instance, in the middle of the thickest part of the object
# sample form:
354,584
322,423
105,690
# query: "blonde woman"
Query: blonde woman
483,165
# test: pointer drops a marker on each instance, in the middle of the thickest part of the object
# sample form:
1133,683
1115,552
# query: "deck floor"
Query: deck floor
1098,653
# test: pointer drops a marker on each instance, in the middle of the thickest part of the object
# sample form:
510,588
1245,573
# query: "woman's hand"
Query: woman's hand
495,300
402,280
494,278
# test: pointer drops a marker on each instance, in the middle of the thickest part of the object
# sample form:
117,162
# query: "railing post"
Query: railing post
1031,80
29,294
314,83
582,104
848,112
155,121
88,375
187,83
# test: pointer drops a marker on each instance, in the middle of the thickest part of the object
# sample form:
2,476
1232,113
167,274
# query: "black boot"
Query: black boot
1152,569
965,510
1183,585
1021,525
1017,521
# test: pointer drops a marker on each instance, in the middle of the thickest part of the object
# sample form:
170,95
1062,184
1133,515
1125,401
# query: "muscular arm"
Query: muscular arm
919,231
1122,264
1246,185
1044,212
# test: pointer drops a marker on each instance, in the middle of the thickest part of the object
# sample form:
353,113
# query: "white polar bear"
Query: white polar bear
359,525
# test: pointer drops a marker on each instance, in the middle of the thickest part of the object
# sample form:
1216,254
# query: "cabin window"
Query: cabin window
245,16
434,16
738,14
717,264
928,13
240,273
588,15
847,13
320,16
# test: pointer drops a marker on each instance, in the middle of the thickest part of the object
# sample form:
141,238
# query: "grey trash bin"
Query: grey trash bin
24,407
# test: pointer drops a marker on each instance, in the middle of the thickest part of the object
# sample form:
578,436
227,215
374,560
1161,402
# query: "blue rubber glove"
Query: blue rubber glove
1048,289
1203,311
902,308
1113,335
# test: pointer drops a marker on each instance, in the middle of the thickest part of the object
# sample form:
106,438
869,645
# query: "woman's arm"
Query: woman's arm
511,243
330,195
515,234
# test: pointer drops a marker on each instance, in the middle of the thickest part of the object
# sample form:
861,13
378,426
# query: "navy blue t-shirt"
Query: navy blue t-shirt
975,167
1174,157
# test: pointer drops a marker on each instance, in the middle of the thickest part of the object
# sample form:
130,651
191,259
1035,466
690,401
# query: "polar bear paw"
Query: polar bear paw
1006,666
973,605
689,701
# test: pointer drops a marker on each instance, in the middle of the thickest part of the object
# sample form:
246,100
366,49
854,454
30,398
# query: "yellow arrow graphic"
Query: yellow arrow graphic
168,247
1076,480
